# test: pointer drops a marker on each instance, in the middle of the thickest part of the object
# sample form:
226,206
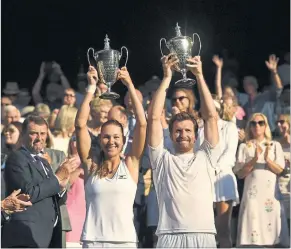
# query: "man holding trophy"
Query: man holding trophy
184,180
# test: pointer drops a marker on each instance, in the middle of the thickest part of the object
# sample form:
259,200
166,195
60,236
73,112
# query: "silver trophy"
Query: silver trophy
107,61
181,46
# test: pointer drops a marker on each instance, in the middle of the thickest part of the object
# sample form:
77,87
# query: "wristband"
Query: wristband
91,89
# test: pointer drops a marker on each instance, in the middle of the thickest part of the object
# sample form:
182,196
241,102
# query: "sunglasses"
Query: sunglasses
10,130
69,95
260,123
179,98
281,122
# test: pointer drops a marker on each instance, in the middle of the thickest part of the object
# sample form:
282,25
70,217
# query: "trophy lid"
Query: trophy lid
179,36
107,49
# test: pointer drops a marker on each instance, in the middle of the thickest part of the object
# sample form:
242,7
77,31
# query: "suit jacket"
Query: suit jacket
57,158
35,226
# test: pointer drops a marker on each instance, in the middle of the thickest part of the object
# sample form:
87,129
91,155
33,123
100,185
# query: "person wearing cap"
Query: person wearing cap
11,90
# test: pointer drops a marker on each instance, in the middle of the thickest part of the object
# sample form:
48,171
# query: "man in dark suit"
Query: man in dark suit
40,224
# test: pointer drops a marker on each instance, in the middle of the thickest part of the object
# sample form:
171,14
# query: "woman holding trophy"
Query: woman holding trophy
110,180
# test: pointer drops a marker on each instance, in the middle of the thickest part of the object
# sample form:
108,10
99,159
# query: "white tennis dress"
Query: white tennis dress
225,181
109,211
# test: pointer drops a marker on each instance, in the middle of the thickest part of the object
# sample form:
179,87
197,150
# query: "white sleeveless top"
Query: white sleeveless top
109,208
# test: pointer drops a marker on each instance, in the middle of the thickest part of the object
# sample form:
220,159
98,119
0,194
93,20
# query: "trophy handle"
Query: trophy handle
162,39
199,42
88,55
123,47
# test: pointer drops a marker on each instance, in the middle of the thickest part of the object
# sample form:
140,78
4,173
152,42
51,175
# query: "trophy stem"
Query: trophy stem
185,82
108,94
183,72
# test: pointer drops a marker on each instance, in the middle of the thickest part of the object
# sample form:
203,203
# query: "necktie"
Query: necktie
39,161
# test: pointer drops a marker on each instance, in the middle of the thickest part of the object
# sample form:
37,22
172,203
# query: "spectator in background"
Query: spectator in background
283,124
42,110
99,113
283,102
12,134
27,110
54,91
257,100
11,114
64,127
76,204
11,91
11,142
260,161
69,97
81,86
5,101
284,70
225,185
228,94
129,107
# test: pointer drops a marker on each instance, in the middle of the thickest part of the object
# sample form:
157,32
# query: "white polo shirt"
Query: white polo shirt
184,186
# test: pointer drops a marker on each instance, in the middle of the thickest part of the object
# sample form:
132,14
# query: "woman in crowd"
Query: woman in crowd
283,124
64,127
110,181
12,137
76,199
225,185
99,109
260,160
227,94
183,100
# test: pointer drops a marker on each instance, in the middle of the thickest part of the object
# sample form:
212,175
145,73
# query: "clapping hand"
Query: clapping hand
15,202
65,169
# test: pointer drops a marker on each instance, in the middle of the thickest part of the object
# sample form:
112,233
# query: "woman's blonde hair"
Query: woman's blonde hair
224,111
248,132
286,118
96,103
65,119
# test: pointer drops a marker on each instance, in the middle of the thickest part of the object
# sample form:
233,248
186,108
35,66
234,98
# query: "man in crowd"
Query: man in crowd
26,169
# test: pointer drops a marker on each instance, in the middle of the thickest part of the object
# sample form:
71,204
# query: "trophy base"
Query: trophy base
109,95
185,83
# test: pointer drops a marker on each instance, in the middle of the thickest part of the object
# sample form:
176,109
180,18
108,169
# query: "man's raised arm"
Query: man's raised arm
155,130
208,110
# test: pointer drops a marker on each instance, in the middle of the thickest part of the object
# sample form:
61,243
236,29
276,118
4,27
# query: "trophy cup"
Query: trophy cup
107,61
181,47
